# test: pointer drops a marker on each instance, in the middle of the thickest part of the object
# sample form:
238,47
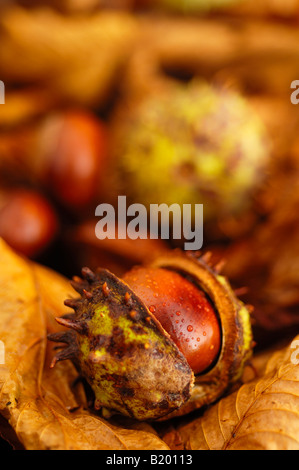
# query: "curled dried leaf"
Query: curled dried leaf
261,415
74,58
42,407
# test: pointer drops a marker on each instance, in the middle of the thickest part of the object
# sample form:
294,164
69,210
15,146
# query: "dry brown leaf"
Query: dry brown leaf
46,412
40,404
76,58
280,8
261,415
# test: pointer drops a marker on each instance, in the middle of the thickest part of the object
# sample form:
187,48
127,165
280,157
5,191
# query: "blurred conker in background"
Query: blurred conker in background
28,222
73,148
195,143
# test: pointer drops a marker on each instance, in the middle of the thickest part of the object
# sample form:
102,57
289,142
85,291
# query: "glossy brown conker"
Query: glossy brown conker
28,221
183,310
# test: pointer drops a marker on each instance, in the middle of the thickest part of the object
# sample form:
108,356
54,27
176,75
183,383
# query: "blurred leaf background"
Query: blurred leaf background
88,81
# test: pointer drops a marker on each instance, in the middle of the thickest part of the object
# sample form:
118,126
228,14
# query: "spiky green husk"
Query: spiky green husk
195,144
130,362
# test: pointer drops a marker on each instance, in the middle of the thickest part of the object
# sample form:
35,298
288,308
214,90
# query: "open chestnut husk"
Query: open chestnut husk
122,347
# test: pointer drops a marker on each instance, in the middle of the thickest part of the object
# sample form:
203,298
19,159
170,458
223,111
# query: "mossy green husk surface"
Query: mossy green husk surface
193,144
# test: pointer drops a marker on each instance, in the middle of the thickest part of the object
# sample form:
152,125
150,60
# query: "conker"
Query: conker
125,339
183,310
188,144
74,146
28,222
66,152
